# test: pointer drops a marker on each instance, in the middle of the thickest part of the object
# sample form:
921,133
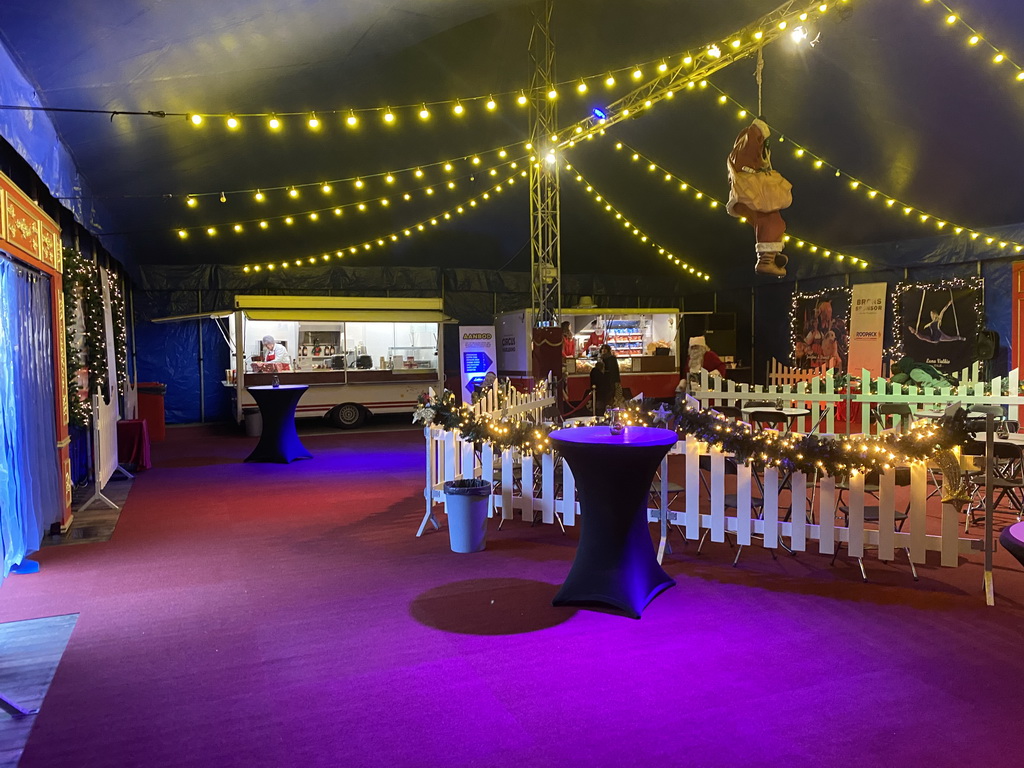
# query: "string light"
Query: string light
643,238
384,240
857,185
977,40
684,187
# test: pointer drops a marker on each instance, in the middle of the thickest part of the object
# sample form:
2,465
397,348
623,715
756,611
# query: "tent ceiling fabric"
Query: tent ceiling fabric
889,93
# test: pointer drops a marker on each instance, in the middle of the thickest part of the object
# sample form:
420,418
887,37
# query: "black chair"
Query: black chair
1007,477
873,515
902,410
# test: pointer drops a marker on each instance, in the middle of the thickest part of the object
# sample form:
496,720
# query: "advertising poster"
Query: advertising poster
821,323
478,356
867,328
937,323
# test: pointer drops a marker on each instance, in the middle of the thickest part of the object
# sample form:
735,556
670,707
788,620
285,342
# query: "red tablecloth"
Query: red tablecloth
133,445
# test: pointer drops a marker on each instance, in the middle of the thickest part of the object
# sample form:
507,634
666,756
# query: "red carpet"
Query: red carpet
284,615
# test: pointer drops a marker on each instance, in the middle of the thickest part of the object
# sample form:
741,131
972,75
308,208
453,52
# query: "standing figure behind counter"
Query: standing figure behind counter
605,381
275,353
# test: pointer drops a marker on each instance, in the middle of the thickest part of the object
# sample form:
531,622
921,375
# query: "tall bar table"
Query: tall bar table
279,442
615,562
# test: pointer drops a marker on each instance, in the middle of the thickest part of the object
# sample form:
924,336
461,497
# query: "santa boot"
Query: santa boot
767,264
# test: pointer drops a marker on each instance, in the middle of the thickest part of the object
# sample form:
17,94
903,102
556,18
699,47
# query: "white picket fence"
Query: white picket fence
821,394
715,501
784,374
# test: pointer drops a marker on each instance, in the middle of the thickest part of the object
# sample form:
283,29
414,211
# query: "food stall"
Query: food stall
645,341
358,355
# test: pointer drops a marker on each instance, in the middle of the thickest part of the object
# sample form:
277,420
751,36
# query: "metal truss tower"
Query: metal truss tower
545,241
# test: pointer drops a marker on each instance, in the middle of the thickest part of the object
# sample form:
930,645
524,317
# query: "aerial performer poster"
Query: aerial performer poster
937,323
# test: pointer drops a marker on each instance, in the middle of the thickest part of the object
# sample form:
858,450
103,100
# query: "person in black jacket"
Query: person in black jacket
605,381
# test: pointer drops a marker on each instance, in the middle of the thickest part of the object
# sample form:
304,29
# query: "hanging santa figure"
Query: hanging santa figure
758,193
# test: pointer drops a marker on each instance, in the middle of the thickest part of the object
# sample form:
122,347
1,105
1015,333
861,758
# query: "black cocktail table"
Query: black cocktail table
615,562
279,442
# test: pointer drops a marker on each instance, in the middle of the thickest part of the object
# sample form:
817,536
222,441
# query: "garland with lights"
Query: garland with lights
837,457
117,312
976,284
82,289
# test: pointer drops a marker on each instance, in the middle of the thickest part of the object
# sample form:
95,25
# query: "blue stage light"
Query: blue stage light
600,114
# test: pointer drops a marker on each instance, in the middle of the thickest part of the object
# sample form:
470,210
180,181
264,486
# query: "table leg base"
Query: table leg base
259,456
628,605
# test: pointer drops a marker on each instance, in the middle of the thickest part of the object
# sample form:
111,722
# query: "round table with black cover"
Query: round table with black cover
615,562
279,442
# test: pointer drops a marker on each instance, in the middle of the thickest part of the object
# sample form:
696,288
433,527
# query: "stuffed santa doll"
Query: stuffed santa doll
758,193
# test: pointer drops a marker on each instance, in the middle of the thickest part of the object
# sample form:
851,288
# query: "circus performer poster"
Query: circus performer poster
937,323
820,324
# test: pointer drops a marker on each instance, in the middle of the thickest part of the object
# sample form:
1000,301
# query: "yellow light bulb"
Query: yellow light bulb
191,202
637,73
458,109
735,44
491,103
232,122
582,87
758,35
359,183
289,220
211,231
313,122
951,19
418,173
687,60
552,94
325,187
389,116
476,160
337,211
274,123
722,99
314,216
973,40
609,81
293,192
238,227
182,234
998,58
424,113
264,225
260,197
521,100
196,119
352,120
783,25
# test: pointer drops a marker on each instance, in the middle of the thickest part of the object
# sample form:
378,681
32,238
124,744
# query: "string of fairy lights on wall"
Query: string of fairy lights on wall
641,236
385,240
854,184
315,215
976,40
696,194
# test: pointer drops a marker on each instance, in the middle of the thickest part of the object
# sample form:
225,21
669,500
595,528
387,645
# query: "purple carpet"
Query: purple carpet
286,615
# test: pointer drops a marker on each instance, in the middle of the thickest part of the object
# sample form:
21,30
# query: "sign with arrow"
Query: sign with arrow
477,356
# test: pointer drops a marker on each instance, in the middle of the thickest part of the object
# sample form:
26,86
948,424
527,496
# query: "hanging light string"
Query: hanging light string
615,214
475,161
818,163
713,58
392,237
696,194
265,223
425,110
975,39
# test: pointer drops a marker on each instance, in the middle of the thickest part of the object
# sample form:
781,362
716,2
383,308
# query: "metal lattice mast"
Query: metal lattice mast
545,243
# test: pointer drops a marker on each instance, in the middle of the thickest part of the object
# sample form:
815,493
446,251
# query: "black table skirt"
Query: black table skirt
279,442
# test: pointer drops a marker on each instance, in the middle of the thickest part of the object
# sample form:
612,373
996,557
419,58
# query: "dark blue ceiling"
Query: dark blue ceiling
890,94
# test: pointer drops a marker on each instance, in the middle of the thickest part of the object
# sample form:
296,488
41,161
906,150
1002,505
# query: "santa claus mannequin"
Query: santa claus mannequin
758,193
699,358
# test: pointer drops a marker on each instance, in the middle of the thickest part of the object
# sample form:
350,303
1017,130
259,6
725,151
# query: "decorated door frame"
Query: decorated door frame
30,236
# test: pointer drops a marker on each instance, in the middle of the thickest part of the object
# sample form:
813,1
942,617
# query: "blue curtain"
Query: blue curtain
30,497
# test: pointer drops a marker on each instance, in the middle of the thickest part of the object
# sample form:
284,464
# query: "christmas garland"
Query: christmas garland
117,312
82,287
837,456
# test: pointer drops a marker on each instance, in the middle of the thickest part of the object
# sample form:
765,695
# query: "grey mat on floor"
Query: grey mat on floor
29,653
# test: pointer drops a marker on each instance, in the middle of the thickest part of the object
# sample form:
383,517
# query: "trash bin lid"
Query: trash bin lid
468,487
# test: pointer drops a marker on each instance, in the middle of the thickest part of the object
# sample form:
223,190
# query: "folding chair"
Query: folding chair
873,515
